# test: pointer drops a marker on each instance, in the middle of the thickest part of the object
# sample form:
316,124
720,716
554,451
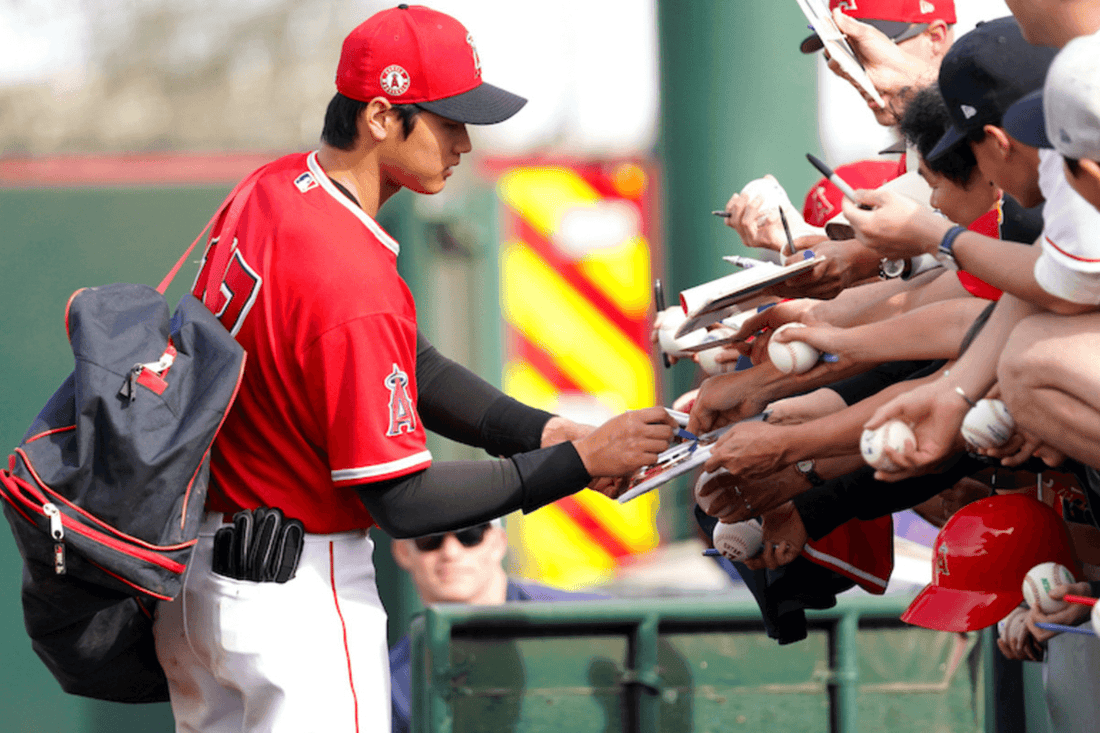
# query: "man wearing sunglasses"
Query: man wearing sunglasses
458,567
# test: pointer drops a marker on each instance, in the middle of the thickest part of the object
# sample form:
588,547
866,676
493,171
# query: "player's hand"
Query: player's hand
784,538
935,412
559,430
803,408
1071,615
846,263
1018,643
736,501
627,442
750,450
892,71
896,226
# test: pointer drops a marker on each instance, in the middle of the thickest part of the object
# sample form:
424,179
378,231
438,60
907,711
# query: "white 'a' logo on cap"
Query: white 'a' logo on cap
927,7
968,111
473,50
847,4
394,80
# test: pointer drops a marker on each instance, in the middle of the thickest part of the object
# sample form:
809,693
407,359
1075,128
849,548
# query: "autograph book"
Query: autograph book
676,461
719,299
836,45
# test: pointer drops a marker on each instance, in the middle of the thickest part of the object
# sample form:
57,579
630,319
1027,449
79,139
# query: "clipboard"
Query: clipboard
676,461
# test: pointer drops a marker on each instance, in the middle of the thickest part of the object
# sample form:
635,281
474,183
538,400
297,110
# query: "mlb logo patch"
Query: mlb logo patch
305,182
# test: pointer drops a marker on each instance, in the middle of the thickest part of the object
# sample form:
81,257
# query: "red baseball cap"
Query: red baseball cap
900,20
415,55
980,558
823,201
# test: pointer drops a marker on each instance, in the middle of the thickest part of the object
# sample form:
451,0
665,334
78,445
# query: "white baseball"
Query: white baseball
1012,626
738,541
893,433
792,357
988,424
1040,580
715,482
1095,616
667,322
707,359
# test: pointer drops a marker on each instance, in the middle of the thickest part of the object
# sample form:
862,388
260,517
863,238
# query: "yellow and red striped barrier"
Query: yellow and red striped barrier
575,267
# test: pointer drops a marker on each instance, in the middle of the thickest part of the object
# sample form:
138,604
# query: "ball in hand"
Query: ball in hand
738,541
988,425
792,357
1040,580
893,434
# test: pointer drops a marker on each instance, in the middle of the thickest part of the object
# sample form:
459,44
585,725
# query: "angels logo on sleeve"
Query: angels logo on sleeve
402,411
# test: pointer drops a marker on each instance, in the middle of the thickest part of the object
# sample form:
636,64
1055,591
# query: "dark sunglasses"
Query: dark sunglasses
471,537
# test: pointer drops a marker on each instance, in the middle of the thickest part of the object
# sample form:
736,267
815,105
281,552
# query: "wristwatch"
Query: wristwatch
889,269
945,253
806,468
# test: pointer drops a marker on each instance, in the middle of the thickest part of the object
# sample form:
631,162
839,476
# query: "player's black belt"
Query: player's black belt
261,545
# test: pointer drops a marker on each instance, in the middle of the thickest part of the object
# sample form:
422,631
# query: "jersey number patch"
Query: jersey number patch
237,293
402,412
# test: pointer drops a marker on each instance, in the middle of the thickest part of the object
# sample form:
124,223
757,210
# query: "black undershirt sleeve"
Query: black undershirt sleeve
861,386
457,404
453,495
858,495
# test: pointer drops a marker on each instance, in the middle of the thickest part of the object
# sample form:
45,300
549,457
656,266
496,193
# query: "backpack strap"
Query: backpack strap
230,211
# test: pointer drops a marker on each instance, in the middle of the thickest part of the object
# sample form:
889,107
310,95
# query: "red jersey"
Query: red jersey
328,398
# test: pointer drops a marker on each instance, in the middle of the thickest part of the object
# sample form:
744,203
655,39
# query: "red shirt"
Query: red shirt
988,224
328,398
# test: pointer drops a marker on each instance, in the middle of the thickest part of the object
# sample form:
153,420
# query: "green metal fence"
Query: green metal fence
691,665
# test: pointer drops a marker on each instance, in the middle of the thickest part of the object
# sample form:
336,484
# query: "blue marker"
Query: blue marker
711,552
681,433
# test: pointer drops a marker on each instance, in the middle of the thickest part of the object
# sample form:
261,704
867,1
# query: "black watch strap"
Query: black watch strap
808,469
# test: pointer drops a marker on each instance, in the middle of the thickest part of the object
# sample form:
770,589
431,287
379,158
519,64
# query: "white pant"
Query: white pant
306,655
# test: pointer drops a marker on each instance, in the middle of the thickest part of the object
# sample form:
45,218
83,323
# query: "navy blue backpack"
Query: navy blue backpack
105,493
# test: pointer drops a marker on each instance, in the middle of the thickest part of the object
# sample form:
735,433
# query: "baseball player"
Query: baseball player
327,435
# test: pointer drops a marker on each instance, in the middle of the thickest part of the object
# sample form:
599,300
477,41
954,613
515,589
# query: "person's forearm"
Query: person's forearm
448,496
459,405
1009,266
931,332
976,370
869,302
764,383
838,434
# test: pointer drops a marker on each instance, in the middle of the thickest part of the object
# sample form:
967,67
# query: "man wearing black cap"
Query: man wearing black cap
937,411
338,391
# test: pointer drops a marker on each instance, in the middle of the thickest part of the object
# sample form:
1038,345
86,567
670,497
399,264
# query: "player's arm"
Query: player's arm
457,404
458,494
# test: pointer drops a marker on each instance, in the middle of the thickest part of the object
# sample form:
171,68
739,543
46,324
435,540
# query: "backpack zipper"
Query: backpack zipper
57,531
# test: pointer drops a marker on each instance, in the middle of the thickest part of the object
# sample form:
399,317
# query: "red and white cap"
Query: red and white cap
900,20
415,55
